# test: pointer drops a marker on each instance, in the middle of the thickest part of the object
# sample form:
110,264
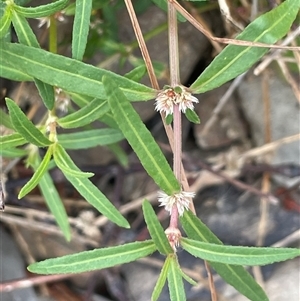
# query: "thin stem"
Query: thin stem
142,44
175,81
173,46
53,35
177,143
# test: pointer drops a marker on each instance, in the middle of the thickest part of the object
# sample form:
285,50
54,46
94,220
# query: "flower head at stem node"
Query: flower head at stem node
169,97
180,199
173,235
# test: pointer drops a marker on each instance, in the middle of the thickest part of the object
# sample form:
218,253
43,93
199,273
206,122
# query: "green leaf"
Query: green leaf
46,92
39,172
5,120
24,126
24,31
66,164
8,141
12,153
41,10
250,256
192,116
156,230
81,28
161,279
27,37
175,283
140,138
5,22
95,259
91,112
186,277
81,100
234,60
90,138
9,72
53,200
236,276
137,73
69,74
97,199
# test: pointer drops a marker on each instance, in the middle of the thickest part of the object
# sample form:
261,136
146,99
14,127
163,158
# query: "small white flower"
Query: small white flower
185,101
180,199
165,101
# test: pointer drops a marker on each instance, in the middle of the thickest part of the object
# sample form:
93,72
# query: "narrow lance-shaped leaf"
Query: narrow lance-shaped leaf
175,283
81,28
69,74
238,255
53,200
24,31
97,199
39,172
9,141
95,259
236,276
91,112
90,138
12,153
27,37
137,73
192,116
156,230
234,60
41,10
8,71
24,126
161,279
5,21
5,120
46,92
66,164
140,138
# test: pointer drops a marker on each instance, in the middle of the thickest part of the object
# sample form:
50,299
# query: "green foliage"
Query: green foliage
236,276
105,96
156,231
234,60
81,28
140,138
24,126
238,255
68,74
42,10
95,259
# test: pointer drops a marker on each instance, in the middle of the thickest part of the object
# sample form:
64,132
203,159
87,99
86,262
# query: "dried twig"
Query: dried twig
269,58
199,26
269,147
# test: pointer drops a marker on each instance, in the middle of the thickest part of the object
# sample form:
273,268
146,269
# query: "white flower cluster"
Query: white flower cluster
169,97
180,199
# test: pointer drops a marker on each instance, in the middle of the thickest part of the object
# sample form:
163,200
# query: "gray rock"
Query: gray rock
284,115
12,267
